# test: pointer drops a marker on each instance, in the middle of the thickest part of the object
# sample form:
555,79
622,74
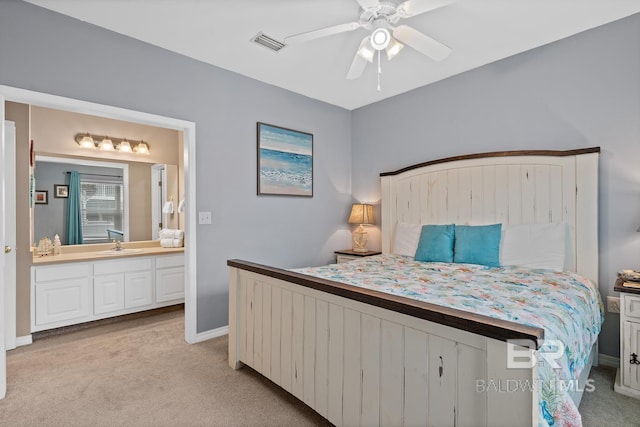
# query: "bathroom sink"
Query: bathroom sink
120,252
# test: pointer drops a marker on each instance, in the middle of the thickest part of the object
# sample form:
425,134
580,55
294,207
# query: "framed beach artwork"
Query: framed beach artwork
285,161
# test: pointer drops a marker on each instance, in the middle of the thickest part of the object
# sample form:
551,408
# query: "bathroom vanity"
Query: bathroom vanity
96,283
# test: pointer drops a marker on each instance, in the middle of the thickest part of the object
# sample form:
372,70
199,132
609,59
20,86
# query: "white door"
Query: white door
9,166
3,353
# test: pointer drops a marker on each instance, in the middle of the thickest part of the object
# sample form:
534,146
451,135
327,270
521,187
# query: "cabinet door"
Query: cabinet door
137,289
61,300
632,306
631,374
108,293
169,284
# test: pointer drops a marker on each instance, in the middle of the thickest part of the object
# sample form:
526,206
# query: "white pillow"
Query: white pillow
406,239
534,245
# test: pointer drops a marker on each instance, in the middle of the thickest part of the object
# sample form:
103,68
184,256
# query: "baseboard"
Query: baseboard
212,333
606,360
25,340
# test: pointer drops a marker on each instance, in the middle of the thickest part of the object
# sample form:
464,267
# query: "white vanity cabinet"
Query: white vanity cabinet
122,284
169,278
76,292
61,295
108,293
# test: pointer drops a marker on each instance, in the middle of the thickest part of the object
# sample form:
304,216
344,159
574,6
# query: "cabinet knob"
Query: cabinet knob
634,359
7,249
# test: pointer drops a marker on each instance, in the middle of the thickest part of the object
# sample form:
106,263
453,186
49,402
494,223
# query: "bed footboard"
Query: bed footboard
360,364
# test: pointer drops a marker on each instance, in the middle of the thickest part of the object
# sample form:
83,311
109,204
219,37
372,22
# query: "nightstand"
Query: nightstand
349,255
628,376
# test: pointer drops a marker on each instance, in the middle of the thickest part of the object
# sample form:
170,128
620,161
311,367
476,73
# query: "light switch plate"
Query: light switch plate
204,217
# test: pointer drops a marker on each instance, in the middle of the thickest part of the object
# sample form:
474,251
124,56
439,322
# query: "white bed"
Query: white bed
361,357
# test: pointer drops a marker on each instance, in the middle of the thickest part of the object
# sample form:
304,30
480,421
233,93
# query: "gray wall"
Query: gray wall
579,92
45,52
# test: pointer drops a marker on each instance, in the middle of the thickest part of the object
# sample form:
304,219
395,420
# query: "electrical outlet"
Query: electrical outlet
613,304
204,217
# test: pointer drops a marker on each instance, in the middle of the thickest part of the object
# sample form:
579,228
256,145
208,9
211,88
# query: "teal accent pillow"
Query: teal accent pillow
479,244
436,243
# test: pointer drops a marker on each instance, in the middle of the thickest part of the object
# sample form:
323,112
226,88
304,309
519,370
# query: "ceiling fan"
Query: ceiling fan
382,17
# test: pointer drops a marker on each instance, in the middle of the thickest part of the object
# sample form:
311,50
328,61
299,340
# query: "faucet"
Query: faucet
117,246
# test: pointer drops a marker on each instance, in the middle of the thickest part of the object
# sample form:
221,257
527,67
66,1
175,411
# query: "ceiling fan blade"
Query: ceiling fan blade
422,43
322,32
365,4
411,8
357,67
359,62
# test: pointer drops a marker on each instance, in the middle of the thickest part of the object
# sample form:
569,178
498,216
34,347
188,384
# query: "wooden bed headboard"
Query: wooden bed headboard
508,187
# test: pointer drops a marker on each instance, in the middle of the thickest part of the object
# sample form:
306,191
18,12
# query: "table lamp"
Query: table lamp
361,214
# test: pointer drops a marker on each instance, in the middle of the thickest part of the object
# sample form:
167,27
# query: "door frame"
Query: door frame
3,351
9,177
8,93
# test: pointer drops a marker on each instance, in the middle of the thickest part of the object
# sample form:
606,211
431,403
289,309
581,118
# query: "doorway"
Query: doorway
188,132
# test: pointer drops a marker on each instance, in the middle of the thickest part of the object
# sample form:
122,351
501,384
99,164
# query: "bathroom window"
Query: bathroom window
102,207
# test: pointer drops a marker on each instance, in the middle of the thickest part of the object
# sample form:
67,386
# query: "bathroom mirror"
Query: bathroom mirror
116,199
117,187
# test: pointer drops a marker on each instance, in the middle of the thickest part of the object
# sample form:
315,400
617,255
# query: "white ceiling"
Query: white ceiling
219,32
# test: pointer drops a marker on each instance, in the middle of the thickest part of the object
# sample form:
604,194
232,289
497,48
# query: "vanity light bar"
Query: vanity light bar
103,142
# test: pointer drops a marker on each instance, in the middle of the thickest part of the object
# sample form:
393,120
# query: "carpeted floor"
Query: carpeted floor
605,407
141,373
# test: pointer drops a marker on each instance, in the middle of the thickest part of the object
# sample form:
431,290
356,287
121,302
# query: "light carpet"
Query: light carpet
141,373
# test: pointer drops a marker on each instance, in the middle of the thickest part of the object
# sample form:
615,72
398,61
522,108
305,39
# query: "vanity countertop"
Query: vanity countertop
92,252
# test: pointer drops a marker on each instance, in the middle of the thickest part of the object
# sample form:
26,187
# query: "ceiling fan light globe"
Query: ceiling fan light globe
380,38
393,49
366,52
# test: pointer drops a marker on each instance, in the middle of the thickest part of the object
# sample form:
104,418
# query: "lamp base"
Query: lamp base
360,240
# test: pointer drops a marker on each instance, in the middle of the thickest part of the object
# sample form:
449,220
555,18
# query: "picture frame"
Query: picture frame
285,161
41,197
60,191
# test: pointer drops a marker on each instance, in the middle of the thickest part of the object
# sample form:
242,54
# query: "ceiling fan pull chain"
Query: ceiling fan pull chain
379,71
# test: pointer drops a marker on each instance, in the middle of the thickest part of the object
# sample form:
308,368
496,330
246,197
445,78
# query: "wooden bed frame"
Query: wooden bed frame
362,357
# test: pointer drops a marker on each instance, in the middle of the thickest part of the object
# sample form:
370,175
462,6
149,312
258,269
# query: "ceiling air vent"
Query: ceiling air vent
269,42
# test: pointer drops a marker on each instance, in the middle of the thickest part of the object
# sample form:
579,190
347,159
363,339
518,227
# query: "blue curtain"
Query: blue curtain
74,214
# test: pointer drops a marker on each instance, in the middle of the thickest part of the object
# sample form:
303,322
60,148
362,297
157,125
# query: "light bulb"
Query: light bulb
142,148
87,142
124,146
106,144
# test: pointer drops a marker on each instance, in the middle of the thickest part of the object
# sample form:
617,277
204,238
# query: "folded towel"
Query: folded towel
169,233
171,243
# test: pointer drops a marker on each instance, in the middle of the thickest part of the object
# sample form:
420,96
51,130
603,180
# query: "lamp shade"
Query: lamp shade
361,214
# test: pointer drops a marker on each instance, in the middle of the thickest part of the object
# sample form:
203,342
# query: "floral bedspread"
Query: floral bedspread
566,305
